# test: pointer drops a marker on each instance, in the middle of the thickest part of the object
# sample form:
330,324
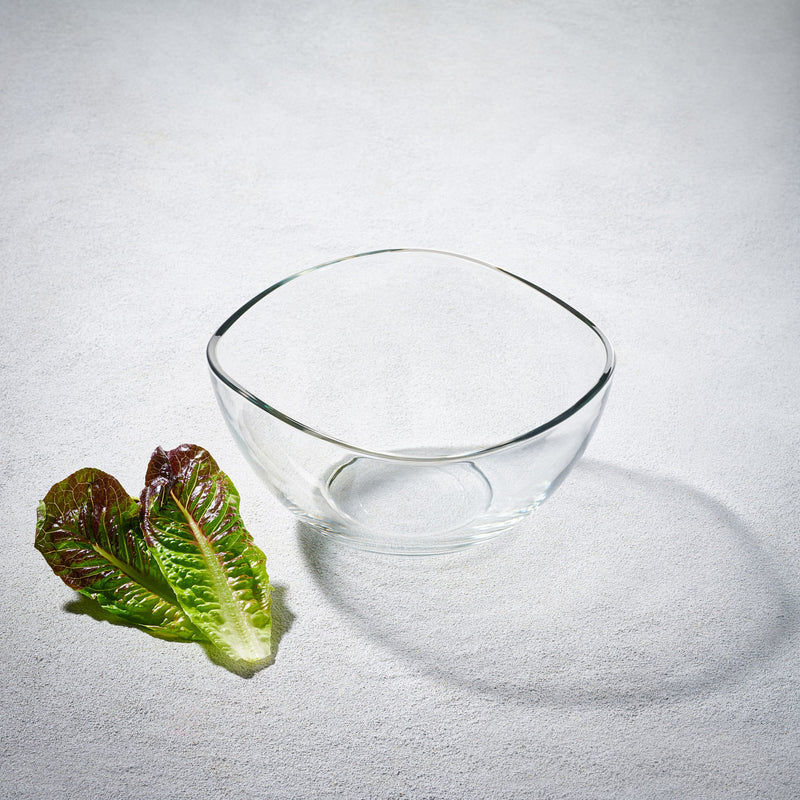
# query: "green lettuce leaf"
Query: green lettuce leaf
88,530
191,521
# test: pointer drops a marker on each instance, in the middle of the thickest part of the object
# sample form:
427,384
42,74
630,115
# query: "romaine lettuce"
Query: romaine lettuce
179,563
191,522
88,530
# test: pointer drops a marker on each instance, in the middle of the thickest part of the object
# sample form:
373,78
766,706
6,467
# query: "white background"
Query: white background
162,162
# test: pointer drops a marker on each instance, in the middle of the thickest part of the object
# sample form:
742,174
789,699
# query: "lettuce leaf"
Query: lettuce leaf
88,530
191,522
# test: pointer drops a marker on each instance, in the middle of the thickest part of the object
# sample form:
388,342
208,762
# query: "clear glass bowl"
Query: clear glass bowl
410,401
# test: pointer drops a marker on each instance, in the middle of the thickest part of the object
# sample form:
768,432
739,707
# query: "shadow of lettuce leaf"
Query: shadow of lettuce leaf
282,619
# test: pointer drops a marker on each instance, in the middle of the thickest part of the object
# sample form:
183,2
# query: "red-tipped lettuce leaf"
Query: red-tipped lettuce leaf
88,531
191,521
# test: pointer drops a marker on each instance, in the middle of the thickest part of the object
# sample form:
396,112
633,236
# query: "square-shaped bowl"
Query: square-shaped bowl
408,400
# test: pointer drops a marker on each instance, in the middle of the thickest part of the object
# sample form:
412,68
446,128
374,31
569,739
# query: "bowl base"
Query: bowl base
404,504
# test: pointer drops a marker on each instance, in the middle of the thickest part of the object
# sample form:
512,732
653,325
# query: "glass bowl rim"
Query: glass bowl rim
219,372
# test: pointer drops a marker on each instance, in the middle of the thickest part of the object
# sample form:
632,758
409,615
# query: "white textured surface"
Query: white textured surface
637,637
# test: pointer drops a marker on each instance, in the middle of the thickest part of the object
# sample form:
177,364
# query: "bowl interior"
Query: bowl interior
412,351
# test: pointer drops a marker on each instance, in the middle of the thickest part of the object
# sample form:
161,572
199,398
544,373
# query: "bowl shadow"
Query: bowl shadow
625,588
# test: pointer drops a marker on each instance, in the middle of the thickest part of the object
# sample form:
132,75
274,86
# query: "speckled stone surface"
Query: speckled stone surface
637,637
